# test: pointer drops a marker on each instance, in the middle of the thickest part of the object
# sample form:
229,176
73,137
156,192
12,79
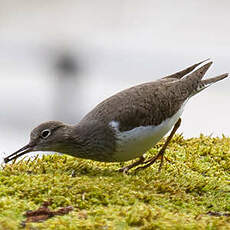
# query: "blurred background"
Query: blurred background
58,59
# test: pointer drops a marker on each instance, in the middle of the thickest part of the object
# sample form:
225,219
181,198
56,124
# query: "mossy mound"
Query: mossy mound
195,182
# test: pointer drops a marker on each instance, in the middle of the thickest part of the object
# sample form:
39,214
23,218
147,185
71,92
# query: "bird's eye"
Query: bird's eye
45,133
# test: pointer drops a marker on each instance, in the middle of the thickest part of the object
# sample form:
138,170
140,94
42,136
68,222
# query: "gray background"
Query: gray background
112,45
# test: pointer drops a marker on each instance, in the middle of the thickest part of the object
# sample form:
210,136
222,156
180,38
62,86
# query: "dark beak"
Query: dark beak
20,152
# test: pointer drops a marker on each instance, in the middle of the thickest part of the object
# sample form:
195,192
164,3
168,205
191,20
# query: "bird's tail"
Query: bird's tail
210,81
182,73
194,81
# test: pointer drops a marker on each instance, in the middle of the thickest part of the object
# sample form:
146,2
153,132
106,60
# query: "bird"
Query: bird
126,125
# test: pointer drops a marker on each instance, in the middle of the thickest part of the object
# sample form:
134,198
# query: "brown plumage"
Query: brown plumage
125,125
153,102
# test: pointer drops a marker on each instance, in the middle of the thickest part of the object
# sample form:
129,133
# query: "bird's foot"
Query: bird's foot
152,161
128,167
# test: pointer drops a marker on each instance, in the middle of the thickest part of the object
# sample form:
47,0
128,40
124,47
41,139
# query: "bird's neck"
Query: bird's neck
92,139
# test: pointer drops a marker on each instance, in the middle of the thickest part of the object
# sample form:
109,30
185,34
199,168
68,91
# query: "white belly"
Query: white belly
134,143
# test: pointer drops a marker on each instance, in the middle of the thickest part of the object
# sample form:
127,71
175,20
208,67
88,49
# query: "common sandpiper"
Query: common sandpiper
127,124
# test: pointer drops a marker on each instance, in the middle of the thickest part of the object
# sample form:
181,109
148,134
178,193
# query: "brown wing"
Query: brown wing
149,103
142,105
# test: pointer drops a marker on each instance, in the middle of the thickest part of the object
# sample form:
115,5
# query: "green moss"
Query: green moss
195,182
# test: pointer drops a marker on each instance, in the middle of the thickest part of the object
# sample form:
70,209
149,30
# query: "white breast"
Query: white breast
134,143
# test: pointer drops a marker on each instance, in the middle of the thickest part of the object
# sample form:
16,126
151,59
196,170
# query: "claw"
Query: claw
128,167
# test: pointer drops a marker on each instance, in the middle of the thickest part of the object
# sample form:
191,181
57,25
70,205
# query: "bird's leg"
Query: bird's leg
128,167
161,152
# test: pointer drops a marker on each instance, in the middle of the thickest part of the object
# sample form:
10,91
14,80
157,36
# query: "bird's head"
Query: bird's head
47,136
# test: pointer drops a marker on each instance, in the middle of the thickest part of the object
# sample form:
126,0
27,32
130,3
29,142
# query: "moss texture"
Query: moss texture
195,182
